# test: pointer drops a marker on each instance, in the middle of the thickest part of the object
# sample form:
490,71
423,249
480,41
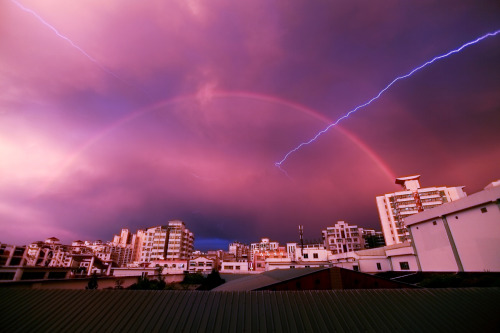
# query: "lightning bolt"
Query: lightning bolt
402,77
65,38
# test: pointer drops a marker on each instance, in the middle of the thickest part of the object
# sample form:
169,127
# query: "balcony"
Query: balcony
432,203
429,196
407,205
408,212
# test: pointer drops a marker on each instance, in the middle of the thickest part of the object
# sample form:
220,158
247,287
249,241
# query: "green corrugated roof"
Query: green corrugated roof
256,281
388,310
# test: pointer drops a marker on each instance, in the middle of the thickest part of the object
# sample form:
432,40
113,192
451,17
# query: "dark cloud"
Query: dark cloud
209,95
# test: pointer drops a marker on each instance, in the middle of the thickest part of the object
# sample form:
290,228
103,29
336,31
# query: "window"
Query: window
355,268
306,255
379,267
228,267
484,210
404,265
434,222
238,267
315,255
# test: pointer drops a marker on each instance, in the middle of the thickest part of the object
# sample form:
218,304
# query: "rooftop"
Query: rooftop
394,310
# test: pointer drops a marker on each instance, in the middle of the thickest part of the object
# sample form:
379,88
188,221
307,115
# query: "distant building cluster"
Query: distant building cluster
425,229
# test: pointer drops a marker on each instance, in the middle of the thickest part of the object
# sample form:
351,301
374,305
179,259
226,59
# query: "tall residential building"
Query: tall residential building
239,250
170,242
373,238
393,208
343,237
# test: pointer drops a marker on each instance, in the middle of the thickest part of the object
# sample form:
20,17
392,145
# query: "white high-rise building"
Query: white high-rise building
393,208
170,242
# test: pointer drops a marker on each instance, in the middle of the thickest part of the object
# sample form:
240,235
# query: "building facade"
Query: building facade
461,236
264,245
398,258
343,237
171,242
393,208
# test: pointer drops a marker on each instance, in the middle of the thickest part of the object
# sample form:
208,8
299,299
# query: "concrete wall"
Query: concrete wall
433,247
477,237
369,265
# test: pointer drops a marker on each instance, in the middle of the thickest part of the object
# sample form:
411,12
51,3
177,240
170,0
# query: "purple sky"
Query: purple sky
179,110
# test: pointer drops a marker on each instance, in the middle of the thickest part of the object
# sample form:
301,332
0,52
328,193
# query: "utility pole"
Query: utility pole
301,234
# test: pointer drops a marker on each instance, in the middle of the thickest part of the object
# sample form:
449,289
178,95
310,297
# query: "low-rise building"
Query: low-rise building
12,255
397,257
202,264
234,267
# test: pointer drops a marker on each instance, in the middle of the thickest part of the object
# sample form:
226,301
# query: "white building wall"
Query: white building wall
434,250
369,264
234,267
398,260
478,245
386,219
472,242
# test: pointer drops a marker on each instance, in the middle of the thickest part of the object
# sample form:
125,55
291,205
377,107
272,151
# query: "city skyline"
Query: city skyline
179,110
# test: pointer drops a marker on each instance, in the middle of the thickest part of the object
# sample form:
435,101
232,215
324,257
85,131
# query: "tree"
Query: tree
213,280
92,282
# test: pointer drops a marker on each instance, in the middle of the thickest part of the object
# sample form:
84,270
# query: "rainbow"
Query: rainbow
70,159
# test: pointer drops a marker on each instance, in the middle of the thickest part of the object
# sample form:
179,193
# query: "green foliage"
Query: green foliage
92,282
193,278
146,284
213,280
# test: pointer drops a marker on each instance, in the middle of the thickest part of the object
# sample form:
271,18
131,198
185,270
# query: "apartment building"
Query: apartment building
171,242
239,250
373,239
202,264
12,255
393,208
264,245
343,237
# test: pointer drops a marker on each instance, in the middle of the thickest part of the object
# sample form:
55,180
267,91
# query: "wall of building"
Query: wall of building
477,237
234,267
433,247
463,235
369,264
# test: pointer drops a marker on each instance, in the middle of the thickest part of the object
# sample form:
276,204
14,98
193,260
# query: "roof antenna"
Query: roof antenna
301,234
